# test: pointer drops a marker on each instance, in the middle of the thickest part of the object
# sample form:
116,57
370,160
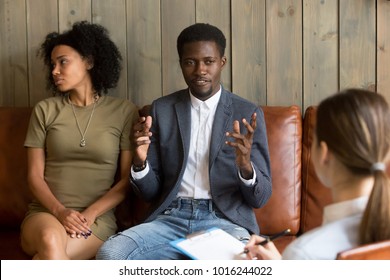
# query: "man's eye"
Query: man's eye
208,62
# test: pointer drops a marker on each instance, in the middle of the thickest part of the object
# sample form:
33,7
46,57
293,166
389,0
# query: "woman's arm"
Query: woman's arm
115,195
73,221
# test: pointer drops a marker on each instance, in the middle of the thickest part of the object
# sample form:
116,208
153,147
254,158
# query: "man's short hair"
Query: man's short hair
201,32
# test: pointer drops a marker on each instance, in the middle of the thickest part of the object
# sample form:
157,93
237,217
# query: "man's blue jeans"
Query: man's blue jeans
150,241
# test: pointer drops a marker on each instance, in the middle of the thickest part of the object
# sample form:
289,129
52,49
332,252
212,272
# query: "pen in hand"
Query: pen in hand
270,238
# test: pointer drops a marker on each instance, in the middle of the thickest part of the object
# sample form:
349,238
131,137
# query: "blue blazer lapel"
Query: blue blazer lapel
222,120
183,116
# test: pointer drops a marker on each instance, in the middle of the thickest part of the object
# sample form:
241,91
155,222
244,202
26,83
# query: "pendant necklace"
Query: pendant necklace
82,141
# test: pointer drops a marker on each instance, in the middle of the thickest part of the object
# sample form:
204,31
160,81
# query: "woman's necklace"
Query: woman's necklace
82,141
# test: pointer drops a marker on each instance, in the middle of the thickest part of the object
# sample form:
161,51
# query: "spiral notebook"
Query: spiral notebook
212,244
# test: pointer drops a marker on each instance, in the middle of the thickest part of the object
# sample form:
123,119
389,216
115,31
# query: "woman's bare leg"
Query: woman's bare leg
83,249
44,237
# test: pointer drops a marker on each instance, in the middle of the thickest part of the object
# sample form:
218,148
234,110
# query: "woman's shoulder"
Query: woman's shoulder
326,241
49,105
54,100
118,101
120,105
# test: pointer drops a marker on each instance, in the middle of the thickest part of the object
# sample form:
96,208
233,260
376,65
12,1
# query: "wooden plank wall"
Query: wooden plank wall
280,52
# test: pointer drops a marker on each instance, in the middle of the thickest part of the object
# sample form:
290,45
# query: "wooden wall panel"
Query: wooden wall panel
70,11
206,13
175,16
280,52
383,48
284,52
41,19
357,44
112,15
13,54
144,51
320,50
249,76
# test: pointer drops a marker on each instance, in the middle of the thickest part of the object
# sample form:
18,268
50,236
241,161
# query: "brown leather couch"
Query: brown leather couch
374,251
296,203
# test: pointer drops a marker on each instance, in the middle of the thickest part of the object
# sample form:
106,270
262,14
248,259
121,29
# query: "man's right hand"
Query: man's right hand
141,136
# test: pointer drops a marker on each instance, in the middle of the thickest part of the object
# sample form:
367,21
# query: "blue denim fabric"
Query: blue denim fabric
150,241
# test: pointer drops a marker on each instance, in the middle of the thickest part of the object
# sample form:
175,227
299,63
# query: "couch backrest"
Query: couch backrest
14,194
284,131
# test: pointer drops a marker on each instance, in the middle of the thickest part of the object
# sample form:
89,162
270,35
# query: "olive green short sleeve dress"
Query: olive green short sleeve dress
78,175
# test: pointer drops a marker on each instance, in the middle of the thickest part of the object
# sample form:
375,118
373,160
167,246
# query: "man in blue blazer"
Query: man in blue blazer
197,159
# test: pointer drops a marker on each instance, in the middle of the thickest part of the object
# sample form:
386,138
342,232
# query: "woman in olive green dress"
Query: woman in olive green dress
76,142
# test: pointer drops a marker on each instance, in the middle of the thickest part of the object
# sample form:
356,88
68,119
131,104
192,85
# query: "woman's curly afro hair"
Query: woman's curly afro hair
92,42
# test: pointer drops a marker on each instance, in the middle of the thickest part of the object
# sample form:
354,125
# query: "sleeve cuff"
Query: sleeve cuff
139,175
249,182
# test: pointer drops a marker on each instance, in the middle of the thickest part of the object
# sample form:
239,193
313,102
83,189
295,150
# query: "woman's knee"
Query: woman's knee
52,242
46,243
42,235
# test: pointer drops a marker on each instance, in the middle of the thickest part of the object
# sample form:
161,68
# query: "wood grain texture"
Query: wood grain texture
280,52
383,48
249,73
71,11
13,54
144,51
284,52
320,50
41,20
112,15
357,44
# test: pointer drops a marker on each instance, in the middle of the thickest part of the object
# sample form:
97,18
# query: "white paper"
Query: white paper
214,244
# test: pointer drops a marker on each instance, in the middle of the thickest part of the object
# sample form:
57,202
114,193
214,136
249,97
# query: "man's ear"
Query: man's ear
223,60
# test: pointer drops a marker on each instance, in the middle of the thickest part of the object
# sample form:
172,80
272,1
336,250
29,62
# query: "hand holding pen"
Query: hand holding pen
262,248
